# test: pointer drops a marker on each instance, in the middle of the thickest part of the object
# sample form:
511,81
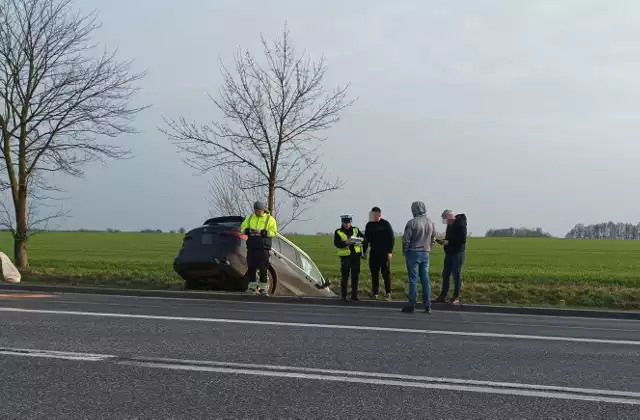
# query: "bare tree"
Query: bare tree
273,118
39,199
226,199
57,99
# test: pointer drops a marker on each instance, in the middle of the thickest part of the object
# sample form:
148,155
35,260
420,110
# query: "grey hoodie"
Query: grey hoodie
420,232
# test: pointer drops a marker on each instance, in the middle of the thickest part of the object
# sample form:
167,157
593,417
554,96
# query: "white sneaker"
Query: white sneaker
261,288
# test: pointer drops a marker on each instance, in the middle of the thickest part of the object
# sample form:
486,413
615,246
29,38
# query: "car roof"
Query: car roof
223,219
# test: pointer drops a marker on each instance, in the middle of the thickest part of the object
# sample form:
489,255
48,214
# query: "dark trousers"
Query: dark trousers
452,267
380,264
257,259
349,265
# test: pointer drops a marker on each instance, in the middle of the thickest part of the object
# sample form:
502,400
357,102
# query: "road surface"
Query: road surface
101,357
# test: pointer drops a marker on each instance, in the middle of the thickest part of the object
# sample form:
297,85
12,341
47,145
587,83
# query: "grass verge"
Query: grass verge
513,271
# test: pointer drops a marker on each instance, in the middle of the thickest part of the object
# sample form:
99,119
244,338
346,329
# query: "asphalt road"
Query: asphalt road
101,357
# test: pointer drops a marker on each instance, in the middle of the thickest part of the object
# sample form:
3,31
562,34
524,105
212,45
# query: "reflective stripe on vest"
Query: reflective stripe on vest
255,240
345,252
266,222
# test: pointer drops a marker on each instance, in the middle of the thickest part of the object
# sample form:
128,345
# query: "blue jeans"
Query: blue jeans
452,267
418,266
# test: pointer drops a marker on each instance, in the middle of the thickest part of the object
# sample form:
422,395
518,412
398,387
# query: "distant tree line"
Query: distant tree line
521,232
108,230
605,230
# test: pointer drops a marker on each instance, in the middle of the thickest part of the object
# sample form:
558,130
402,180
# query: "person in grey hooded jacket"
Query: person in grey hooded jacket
417,242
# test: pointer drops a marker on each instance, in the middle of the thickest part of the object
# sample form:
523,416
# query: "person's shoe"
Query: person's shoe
427,309
343,298
374,297
409,308
355,298
388,296
454,300
441,299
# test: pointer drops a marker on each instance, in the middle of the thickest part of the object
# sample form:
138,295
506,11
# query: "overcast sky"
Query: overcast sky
516,112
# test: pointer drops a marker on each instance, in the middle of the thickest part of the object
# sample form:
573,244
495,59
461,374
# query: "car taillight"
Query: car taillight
233,232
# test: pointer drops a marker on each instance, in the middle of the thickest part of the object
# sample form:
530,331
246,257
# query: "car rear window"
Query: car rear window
230,221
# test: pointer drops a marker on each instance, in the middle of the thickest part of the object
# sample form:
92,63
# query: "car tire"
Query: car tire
273,284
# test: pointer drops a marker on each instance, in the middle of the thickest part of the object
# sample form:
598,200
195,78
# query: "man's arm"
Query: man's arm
337,241
391,238
459,237
406,237
245,224
365,242
367,232
433,234
272,229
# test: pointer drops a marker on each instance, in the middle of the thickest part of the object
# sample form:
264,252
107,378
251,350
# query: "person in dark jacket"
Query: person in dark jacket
381,239
350,255
455,244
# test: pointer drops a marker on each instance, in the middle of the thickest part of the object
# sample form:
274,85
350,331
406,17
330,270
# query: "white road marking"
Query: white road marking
308,310
306,307
390,382
51,354
381,375
327,326
375,378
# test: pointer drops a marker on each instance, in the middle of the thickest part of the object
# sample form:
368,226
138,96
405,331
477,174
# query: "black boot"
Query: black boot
441,299
409,308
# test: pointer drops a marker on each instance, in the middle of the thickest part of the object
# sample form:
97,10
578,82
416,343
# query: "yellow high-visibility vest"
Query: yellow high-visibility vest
345,252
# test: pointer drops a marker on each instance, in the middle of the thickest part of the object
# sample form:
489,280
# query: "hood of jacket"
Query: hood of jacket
461,219
418,208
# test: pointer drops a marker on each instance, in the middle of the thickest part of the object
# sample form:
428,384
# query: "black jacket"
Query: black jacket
380,237
337,241
456,235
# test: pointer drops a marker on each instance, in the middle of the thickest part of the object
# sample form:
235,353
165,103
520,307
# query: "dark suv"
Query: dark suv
214,256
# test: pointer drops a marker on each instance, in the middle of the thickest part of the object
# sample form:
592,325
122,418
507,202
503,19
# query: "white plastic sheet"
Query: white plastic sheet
9,271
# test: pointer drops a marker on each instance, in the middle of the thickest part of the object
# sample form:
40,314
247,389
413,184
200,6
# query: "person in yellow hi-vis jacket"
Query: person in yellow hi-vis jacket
350,252
260,228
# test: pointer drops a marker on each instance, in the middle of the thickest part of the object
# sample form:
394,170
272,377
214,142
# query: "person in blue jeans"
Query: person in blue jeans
417,241
454,243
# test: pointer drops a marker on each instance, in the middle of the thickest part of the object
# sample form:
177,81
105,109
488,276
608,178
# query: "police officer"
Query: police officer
350,255
260,227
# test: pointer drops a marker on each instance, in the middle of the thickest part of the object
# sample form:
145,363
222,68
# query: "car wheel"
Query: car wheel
272,279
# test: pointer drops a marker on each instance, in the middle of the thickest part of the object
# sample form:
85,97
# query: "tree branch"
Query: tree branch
60,100
268,137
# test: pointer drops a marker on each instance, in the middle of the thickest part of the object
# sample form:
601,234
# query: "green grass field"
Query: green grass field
523,271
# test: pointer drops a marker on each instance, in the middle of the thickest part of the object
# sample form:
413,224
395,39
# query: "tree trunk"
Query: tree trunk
272,198
20,252
21,237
